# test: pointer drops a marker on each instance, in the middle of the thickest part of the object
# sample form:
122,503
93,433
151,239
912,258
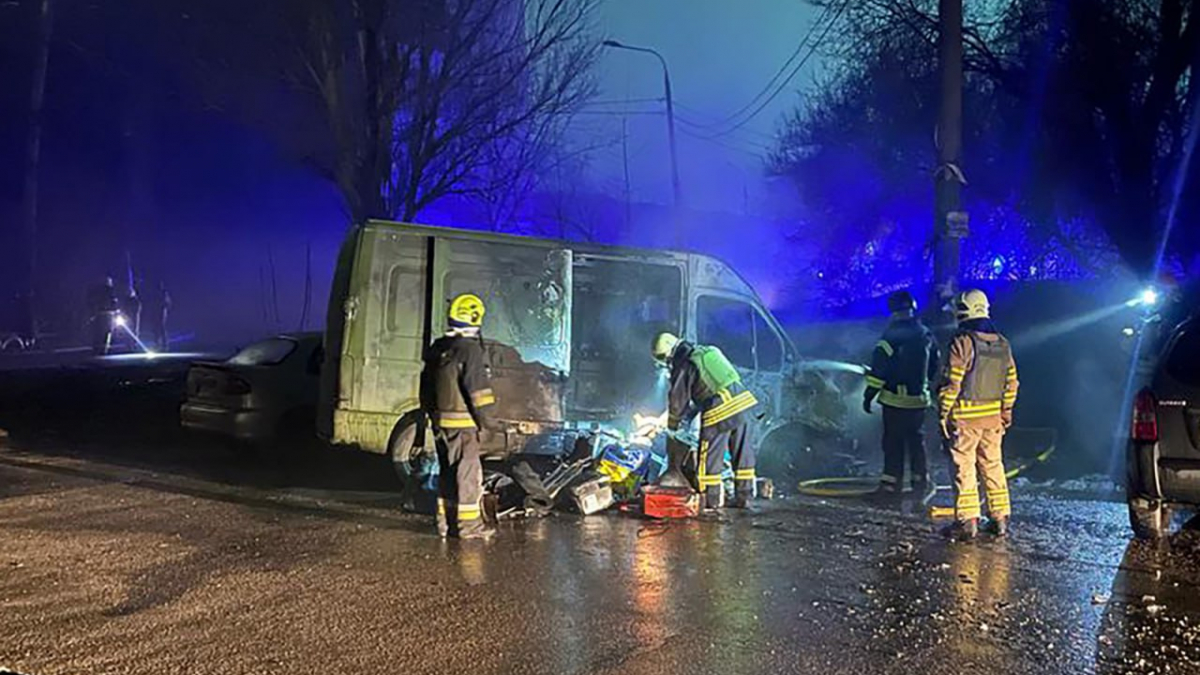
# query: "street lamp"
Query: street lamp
613,44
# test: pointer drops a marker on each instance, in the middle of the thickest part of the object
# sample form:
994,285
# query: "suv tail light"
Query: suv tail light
1145,417
236,386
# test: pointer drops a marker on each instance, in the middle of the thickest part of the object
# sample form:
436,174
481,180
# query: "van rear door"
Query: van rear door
527,328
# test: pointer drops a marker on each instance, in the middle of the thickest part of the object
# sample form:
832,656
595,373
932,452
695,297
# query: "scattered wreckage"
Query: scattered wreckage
606,469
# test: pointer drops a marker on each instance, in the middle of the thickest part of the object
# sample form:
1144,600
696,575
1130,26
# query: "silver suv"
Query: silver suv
1163,457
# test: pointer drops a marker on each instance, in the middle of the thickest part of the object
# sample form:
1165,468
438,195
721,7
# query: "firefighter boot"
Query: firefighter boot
676,456
963,530
998,526
742,495
714,499
476,530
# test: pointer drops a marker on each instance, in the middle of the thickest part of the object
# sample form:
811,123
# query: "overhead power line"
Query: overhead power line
779,73
762,105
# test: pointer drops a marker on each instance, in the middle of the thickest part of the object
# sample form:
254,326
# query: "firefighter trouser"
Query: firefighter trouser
976,450
101,330
460,482
904,437
713,446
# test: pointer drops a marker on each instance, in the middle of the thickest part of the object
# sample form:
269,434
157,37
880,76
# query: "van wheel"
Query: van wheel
410,460
796,452
1149,519
403,448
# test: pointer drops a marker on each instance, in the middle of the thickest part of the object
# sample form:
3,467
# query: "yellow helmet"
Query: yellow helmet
664,346
467,310
972,304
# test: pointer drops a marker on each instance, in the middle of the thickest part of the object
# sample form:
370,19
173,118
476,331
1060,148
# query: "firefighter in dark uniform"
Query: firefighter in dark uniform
704,382
458,394
903,364
104,309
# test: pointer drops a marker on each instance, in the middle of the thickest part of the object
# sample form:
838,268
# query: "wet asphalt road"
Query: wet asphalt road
137,550
108,568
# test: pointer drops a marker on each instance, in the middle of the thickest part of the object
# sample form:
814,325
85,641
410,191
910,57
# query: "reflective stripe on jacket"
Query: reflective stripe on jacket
903,363
456,387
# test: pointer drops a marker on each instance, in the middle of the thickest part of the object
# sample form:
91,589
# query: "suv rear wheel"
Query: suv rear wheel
1149,519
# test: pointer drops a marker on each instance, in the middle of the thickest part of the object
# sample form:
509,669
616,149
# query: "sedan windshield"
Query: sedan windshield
266,353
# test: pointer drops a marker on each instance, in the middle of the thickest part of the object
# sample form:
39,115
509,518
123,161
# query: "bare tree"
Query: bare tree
432,99
404,103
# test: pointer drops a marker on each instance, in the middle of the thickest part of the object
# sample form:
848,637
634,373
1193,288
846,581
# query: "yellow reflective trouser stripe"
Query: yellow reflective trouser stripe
455,420
740,403
483,397
463,511
886,347
702,476
874,382
967,505
744,474
726,397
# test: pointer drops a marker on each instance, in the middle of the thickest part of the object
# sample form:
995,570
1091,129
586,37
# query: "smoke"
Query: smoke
1035,336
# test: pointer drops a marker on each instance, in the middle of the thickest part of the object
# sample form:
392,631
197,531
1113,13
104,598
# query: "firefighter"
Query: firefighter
904,362
978,392
703,381
103,308
458,394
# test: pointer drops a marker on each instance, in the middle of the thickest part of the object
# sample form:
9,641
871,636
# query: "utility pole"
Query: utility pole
676,187
625,166
33,154
950,225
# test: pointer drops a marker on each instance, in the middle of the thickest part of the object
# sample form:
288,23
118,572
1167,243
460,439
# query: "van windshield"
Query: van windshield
266,353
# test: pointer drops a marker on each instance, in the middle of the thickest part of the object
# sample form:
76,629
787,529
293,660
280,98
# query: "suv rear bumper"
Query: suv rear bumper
1151,476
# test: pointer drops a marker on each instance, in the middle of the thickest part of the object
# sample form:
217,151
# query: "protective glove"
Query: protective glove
944,423
1007,420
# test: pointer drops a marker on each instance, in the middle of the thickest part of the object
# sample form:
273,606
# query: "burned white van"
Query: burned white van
567,334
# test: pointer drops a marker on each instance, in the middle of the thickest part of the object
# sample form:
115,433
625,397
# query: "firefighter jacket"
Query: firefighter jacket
456,389
703,381
903,364
979,386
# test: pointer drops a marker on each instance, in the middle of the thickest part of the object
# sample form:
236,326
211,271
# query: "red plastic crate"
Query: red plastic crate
665,502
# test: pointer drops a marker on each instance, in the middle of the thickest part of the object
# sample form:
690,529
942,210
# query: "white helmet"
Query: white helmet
972,304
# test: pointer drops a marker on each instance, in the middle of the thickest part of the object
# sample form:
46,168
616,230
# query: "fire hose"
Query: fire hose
858,486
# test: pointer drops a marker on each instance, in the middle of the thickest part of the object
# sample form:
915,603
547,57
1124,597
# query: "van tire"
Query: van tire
795,452
410,441
1149,519
400,449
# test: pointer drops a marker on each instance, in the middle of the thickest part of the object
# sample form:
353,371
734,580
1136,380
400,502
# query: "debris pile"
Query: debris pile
605,469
